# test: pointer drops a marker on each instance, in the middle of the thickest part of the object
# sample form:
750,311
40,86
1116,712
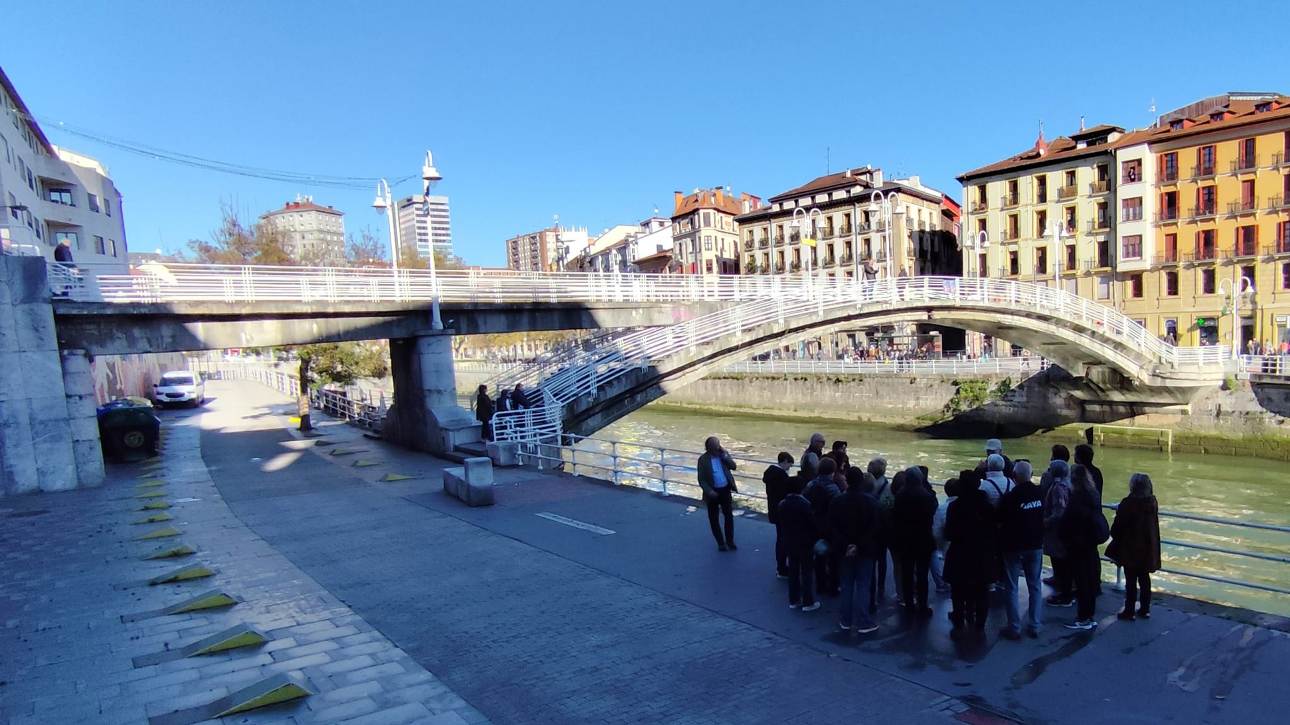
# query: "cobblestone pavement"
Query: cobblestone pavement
533,620
70,569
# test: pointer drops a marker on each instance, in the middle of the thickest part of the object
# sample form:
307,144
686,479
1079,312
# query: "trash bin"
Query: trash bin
128,429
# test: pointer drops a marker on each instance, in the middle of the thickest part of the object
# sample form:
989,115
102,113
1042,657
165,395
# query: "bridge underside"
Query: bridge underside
118,329
1110,376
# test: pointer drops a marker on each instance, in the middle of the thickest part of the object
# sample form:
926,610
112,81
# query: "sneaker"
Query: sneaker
733,547
722,547
867,630
1144,614
1009,633
1125,616
811,607
844,627
794,606
1056,601
1032,633
780,575
1082,624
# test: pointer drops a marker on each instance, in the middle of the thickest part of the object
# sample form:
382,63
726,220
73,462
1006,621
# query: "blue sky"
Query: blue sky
598,111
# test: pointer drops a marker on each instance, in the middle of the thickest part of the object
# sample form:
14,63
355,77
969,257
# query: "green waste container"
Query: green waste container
128,429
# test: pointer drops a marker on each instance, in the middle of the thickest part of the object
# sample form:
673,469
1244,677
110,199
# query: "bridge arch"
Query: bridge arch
599,387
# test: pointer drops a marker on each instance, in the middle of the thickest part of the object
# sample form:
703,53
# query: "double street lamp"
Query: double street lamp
887,205
1057,231
810,216
384,203
1244,287
978,243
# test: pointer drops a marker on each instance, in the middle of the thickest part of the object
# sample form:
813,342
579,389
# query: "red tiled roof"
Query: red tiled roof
293,206
1235,114
1059,149
718,199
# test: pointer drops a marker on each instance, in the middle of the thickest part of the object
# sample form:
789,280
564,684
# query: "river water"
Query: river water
1238,489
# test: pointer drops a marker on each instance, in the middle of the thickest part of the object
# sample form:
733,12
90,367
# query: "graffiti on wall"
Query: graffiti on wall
119,376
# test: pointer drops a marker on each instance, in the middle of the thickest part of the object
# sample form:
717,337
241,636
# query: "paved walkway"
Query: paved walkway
534,620
71,569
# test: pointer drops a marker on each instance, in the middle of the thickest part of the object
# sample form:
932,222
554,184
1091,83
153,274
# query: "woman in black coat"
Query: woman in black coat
969,529
1135,544
912,539
484,412
1082,530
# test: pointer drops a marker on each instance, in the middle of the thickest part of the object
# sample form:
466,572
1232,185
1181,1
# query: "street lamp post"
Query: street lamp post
810,216
1244,287
429,176
1057,231
977,243
886,204
384,204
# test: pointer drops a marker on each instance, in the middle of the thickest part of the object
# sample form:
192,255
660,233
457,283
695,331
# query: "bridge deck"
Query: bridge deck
534,619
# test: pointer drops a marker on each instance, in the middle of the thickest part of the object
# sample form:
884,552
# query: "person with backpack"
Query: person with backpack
912,539
1056,500
1083,528
797,526
778,485
1021,540
1135,545
853,520
821,493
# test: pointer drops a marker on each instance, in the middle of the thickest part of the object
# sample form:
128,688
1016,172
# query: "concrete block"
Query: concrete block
503,454
35,326
88,455
453,481
479,471
478,494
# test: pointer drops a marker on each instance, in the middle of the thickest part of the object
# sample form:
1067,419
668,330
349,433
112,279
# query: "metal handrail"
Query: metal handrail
1022,364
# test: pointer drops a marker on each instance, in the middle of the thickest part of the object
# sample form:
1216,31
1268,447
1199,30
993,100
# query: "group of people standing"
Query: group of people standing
516,399
839,527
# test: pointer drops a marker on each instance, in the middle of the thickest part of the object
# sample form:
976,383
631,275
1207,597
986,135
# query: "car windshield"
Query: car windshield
177,379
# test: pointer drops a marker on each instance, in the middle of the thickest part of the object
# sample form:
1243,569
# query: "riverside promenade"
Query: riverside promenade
569,601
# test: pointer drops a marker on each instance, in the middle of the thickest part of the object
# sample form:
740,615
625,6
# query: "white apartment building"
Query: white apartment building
618,248
48,194
426,222
314,234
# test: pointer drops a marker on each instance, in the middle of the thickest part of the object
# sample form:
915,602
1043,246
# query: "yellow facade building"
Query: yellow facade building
1161,223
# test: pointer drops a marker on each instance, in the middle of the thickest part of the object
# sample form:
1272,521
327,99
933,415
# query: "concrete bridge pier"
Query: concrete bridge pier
425,415
49,437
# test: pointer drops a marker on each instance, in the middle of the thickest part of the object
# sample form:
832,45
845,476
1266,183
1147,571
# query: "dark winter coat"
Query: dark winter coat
911,520
1021,519
821,493
797,522
1135,534
705,472
1079,528
778,485
969,528
483,408
853,521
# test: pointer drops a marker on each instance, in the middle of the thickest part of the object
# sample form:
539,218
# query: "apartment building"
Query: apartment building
705,234
849,229
50,194
1218,174
618,248
545,250
425,222
1048,214
313,234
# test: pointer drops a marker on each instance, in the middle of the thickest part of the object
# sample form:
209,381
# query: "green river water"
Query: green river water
1236,489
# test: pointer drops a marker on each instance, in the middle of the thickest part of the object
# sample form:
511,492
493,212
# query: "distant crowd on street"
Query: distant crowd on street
840,527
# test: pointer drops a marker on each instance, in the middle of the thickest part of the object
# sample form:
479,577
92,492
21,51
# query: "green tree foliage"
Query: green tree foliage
343,363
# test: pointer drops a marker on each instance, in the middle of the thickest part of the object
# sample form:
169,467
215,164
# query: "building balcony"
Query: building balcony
1097,226
779,268
847,258
1167,216
844,230
979,207
796,266
1278,203
1203,212
1242,250
749,245
1205,254
1168,259
1279,159
1099,187
1067,192
829,262
763,243
779,239
1041,197
1011,236
1010,200
827,233
795,237
1202,171
1245,165
1168,176
1131,215
1245,206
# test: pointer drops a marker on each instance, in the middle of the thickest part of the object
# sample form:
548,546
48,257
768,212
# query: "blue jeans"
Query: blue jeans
856,572
1029,563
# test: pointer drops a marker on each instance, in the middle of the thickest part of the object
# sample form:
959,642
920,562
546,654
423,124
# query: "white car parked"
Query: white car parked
179,387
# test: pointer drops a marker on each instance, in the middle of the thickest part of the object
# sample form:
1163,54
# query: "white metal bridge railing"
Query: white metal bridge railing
355,406
1024,365
583,373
